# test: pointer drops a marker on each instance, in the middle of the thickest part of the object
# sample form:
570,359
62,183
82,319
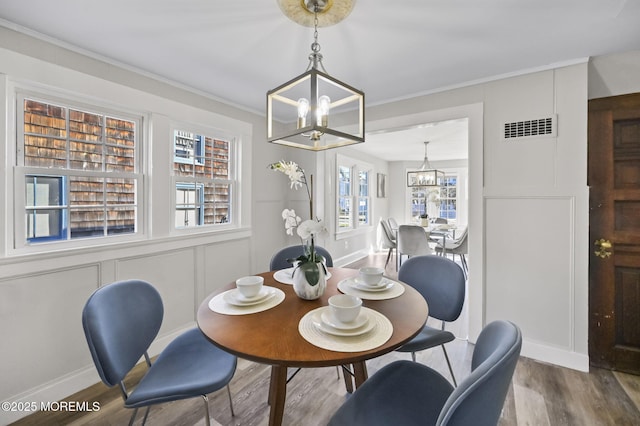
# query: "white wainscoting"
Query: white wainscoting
530,273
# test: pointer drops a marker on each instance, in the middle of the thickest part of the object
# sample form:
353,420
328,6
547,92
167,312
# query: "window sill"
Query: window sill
341,235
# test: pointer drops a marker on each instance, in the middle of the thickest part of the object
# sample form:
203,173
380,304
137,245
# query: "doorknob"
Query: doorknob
604,248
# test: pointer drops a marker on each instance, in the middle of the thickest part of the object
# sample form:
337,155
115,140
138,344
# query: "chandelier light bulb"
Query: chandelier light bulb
324,105
303,109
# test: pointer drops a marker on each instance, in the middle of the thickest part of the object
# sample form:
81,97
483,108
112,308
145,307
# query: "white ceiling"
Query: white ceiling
237,50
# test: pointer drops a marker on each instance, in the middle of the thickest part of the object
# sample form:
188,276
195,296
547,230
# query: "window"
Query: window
354,194
78,170
344,198
448,198
203,170
436,201
364,200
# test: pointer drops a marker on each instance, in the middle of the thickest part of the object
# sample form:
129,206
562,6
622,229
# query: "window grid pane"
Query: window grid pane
207,161
87,146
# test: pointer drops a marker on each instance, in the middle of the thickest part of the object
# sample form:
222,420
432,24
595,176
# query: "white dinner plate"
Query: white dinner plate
325,328
385,284
234,297
329,320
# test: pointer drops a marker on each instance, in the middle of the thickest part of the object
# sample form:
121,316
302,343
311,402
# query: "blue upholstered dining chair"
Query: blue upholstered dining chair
279,259
120,322
442,283
407,393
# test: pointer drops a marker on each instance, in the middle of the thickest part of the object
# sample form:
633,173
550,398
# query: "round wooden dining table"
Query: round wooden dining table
272,337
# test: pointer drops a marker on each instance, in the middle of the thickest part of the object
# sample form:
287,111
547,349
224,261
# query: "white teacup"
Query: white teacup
371,276
250,286
344,307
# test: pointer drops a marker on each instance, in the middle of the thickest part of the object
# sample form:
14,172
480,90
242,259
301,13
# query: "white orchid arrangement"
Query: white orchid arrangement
310,261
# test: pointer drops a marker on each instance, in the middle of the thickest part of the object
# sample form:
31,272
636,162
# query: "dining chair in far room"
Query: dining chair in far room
279,259
393,224
413,240
457,246
408,394
442,284
121,320
386,239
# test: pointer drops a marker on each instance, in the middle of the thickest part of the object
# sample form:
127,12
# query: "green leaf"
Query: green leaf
311,272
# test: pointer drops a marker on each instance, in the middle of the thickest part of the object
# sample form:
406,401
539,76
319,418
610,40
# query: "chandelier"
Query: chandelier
300,111
425,176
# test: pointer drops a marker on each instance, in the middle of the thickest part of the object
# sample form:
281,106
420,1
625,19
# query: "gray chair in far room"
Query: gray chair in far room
121,320
413,240
393,224
387,240
442,284
406,393
279,259
457,246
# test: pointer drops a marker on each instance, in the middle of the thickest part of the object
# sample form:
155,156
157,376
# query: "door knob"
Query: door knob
603,248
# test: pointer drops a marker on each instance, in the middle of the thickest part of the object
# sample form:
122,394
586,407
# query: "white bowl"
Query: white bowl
250,286
371,276
345,307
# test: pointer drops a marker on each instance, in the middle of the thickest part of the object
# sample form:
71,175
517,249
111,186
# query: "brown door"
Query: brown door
614,231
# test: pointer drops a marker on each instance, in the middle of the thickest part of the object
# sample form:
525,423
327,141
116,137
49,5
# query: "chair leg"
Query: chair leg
233,414
206,410
413,356
449,364
144,420
388,257
133,416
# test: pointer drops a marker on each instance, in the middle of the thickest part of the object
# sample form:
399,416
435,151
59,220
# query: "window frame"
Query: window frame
235,147
356,167
16,220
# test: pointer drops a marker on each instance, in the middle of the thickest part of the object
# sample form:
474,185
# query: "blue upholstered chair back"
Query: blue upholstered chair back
479,399
279,260
440,281
120,322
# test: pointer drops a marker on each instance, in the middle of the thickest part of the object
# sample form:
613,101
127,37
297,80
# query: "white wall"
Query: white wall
513,255
43,352
613,75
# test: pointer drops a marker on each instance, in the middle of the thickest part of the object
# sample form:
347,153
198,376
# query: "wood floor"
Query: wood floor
541,394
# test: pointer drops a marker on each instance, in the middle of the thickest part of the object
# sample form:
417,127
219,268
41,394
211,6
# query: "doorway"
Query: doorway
474,114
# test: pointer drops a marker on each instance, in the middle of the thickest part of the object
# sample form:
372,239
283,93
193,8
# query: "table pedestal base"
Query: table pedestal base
278,387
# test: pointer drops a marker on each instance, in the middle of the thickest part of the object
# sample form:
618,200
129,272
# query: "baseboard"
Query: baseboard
555,356
67,385
350,258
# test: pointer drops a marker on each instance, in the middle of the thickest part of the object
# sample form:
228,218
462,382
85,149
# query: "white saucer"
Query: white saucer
328,319
234,297
385,284
325,328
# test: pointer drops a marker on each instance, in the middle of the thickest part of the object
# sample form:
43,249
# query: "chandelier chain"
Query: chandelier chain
315,57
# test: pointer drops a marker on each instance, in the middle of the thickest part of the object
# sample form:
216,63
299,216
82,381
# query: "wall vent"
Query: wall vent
530,128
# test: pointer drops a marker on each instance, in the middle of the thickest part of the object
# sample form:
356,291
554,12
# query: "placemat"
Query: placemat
376,337
284,276
348,286
218,304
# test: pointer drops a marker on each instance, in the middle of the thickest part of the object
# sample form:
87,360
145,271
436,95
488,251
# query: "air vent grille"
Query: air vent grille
530,128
